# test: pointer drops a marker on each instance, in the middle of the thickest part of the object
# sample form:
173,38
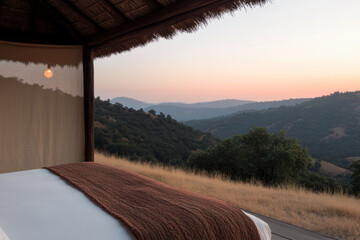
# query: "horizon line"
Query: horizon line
223,99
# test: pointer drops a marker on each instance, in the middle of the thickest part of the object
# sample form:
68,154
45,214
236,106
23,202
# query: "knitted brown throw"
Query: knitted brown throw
153,210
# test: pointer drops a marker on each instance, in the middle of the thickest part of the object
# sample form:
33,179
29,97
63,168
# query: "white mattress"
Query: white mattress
37,204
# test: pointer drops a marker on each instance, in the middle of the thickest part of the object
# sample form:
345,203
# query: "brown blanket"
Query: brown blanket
153,210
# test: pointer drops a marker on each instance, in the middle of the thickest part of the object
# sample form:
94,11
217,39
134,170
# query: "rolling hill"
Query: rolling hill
331,170
139,135
131,103
204,110
226,103
328,126
136,104
195,113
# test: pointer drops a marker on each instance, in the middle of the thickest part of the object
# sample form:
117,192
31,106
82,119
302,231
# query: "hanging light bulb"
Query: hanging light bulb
48,72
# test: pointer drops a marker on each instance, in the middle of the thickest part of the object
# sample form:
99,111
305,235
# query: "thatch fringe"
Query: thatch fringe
198,19
109,26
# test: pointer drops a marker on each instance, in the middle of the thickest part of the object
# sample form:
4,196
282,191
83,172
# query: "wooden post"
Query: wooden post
88,68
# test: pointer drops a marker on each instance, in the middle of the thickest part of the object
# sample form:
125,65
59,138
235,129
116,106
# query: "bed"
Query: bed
38,204
48,122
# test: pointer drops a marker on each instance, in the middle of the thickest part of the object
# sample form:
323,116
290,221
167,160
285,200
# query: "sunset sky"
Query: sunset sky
285,49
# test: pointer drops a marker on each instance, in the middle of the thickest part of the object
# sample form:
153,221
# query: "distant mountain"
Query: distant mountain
226,103
139,135
130,102
269,104
136,104
186,112
204,110
328,126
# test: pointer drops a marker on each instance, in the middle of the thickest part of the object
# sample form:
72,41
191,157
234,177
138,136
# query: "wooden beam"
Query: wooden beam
37,14
116,13
88,68
32,15
57,17
25,37
152,3
91,23
165,16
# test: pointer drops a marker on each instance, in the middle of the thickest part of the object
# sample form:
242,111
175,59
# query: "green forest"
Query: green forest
328,126
145,136
272,158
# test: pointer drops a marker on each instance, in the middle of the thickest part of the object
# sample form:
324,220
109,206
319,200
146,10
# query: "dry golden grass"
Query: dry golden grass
335,215
331,169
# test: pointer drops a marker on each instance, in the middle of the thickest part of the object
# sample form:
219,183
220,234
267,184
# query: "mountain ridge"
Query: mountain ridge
328,126
130,102
139,135
205,110
222,103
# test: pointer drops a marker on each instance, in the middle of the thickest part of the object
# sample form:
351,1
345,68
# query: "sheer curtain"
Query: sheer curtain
41,119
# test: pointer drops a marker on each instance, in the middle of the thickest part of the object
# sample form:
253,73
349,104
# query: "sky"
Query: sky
284,49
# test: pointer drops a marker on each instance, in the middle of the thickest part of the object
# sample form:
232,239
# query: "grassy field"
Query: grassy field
334,215
330,169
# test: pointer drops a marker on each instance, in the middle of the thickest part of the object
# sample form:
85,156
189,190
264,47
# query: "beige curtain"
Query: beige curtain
41,119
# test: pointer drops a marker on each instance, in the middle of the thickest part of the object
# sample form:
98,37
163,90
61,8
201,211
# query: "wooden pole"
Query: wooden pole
88,68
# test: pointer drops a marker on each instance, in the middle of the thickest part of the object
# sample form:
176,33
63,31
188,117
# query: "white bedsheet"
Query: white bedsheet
3,236
37,204
262,227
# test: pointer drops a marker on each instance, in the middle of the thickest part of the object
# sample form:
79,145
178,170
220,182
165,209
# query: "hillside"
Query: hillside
185,113
130,102
204,110
329,169
337,215
328,126
136,104
225,103
144,136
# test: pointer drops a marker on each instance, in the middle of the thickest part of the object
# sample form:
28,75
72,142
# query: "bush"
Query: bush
271,158
318,183
355,177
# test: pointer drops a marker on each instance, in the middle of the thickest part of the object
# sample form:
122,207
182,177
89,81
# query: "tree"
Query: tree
137,135
152,111
271,158
355,177
318,183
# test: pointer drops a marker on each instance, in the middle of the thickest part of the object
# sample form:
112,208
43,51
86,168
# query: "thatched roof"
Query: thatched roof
107,26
